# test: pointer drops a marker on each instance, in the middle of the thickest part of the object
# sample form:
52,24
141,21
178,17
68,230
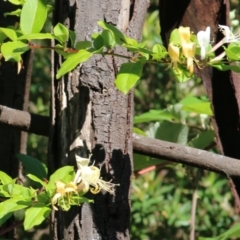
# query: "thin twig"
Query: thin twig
194,206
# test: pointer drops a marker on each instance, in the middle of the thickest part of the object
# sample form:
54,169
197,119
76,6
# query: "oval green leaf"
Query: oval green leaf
33,16
72,61
35,215
128,75
33,166
13,50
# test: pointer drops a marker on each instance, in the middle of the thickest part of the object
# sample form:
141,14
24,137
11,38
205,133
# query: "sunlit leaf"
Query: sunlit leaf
225,67
108,38
64,174
61,33
72,61
13,50
33,16
174,37
35,215
119,37
154,115
128,75
36,179
10,33
194,104
9,206
37,36
13,13
4,178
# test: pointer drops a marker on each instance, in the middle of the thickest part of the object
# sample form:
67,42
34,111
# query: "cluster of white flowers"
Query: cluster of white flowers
203,38
86,178
186,46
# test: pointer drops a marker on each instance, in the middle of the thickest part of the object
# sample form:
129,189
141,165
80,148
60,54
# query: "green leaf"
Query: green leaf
35,215
128,75
182,74
139,131
119,37
2,37
37,36
172,132
33,16
72,61
98,42
83,45
109,41
154,115
43,197
33,166
10,33
17,2
61,33
233,52
65,174
202,140
174,37
3,219
141,161
194,104
36,179
159,52
231,233
13,13
13,50
72,36
224,67
9,206
19,192
4,178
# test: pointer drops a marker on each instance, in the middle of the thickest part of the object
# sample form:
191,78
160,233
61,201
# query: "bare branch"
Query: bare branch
186,155
143,145
24,121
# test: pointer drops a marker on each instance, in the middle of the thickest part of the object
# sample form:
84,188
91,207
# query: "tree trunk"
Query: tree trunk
89,115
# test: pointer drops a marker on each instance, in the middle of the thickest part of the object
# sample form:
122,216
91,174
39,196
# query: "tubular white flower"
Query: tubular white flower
88,178
229,36
203,38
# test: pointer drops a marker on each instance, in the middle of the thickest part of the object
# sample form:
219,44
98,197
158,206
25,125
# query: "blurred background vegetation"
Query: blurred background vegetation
161,198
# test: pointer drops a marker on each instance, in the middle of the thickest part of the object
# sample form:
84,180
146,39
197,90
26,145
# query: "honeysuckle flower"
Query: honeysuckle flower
189,50
88,178
63,190
229,36
203,38
184,34
174,53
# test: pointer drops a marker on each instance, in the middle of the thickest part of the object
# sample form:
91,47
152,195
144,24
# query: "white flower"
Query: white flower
88,178
229,36
203,38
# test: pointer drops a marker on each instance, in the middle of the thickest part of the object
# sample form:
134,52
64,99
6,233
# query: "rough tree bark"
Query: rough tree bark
223,88
89,115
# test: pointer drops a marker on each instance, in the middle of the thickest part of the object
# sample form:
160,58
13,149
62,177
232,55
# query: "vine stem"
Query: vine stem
73,50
